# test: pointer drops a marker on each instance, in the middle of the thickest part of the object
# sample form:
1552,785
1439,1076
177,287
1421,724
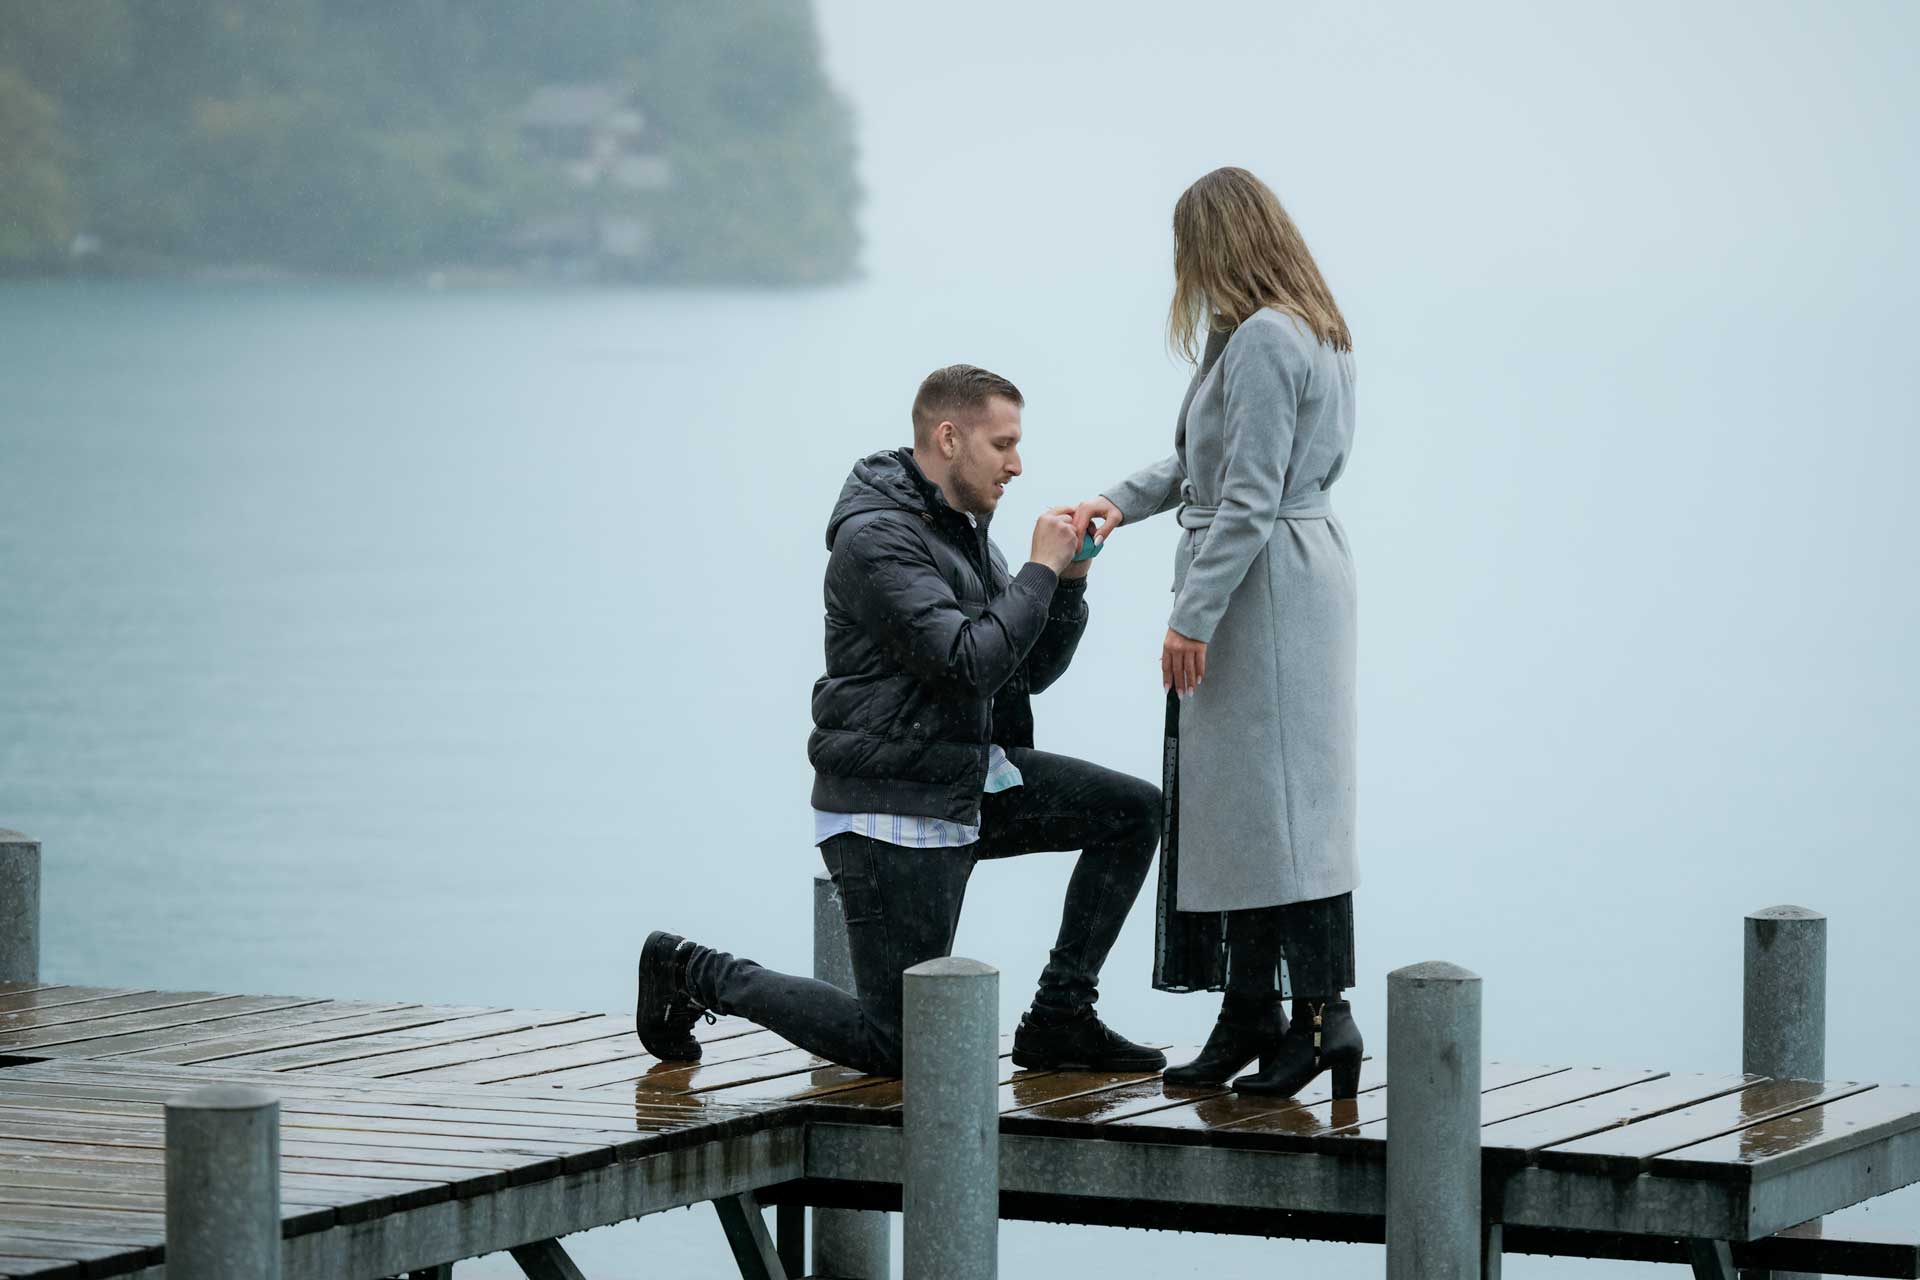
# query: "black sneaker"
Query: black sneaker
663,1015
1079,1042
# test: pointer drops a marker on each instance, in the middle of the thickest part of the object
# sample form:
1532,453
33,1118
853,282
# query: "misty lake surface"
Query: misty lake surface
381,642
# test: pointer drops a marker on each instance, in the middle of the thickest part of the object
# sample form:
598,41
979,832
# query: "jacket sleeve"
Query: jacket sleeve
1149,491
1264,373
1066,623
883,572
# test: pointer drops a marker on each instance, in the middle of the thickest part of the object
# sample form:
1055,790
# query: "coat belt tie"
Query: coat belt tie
1314,504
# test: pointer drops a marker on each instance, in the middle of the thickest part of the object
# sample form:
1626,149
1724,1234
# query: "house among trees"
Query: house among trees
601,152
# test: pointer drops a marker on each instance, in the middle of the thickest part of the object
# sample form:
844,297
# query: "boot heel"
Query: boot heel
1346,1080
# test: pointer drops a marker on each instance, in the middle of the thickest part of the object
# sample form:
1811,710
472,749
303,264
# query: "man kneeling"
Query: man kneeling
924,761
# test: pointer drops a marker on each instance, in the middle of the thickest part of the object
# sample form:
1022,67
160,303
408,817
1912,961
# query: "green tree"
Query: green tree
369,136
35,217
761,146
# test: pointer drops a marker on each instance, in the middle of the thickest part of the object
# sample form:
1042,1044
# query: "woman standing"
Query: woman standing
1259,653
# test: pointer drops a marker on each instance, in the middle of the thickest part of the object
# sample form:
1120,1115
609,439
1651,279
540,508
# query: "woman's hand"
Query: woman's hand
1183,663
1096,509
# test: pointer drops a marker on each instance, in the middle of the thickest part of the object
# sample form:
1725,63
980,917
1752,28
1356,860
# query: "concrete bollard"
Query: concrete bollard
19,908
1433,1123
950,1186
1783,1024
852,1243
223,1184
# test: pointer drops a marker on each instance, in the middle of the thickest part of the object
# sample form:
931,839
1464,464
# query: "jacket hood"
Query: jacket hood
885,481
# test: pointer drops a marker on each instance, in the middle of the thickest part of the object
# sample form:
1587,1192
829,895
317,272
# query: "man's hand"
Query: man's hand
1182,663
1055,541
1097,509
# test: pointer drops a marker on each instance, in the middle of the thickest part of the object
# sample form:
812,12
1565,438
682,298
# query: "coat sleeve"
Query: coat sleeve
1149,491
884,574
1264,373
1066,622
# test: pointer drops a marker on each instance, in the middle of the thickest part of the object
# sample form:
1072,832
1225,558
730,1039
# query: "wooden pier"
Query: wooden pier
410,1137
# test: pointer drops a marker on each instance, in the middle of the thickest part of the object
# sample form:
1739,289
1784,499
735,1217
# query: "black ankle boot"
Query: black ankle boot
1323,1037
664,1012
1245,1030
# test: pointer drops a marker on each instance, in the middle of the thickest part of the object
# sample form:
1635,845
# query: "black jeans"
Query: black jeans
902,907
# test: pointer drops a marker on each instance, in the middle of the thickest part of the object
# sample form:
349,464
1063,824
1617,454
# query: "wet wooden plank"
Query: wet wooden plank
1106,1105
528,1069
95,1034
479,1163
338,1036
527,1114
1507,1090
1799,1138
883,1094
766,1078
150,1105
461,1177
352,1199
15,996
444,1061
1626,1150
103,1226
706,1077
99,1004
92,1078
378,1035
297,1212
27,1243
1518,1138
84,1120
1024,1089
188,1040
1227,1108
414,1130
297,1139
823,1082
363,1121
624,1070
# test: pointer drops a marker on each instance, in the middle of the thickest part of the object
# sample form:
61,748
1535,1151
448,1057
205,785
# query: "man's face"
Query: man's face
986,456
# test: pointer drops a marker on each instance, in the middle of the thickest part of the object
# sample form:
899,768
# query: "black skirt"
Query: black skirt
1190,948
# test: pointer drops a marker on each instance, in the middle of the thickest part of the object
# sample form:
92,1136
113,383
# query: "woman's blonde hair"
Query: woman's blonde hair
1235,251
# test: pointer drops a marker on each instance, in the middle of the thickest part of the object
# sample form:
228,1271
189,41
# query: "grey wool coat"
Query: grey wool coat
1263,574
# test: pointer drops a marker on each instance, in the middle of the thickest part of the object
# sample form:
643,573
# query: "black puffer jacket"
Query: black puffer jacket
932,649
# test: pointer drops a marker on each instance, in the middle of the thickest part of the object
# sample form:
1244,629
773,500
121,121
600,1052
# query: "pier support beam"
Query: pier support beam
852,1243
950,1184
1783,1025
1433,1123
19,908
223,1184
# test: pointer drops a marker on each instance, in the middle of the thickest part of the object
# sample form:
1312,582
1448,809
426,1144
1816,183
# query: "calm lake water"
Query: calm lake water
378,642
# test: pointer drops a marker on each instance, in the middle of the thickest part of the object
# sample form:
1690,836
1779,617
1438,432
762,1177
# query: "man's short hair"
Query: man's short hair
955,390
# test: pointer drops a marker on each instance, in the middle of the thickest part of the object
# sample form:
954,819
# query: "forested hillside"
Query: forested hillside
386,136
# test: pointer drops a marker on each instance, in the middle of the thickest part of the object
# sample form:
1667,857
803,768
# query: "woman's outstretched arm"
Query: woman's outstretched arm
1149,491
